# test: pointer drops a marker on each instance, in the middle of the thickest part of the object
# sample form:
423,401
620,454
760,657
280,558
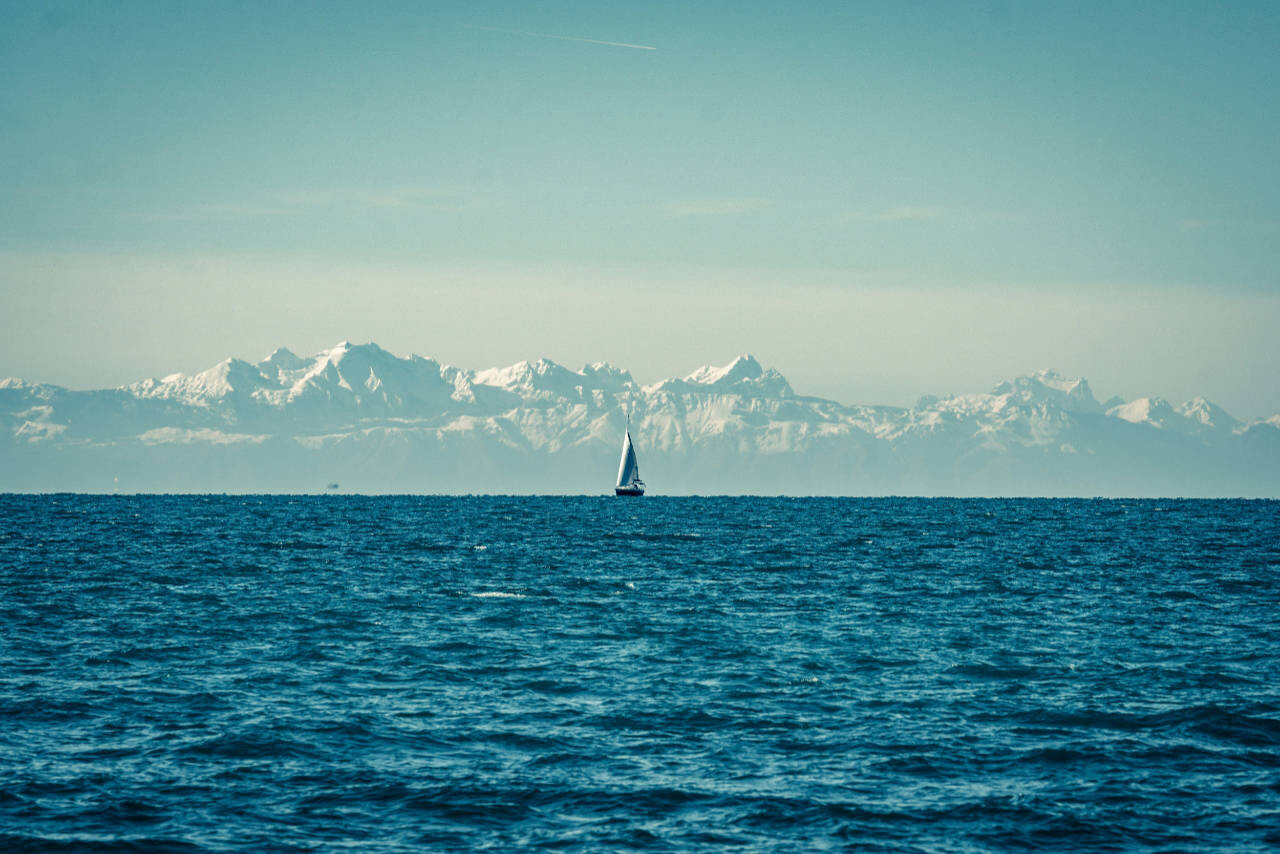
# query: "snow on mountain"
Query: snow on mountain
1155,411
743,375
1050,387
744,367
1197,417
1036,410
540,380
606,377
343,384
358,414
233,377
282,359
1209,416
364,378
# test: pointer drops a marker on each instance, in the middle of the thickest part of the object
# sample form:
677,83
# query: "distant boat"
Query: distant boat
629,482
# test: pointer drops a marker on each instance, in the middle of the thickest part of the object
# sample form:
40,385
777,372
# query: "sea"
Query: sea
346,673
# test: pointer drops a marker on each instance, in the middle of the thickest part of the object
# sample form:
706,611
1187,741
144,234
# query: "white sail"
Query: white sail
628,467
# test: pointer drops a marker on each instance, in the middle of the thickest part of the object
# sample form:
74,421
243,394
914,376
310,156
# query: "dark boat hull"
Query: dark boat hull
627,490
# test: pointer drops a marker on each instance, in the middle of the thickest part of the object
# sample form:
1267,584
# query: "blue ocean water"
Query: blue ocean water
385,674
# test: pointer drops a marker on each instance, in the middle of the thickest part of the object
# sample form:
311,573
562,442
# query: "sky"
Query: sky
882,200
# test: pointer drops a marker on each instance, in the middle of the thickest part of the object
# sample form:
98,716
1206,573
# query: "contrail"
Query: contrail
562,38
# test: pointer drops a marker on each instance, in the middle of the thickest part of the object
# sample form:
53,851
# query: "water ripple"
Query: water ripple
216,673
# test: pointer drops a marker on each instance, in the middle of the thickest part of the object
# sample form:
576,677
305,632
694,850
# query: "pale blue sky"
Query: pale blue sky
882,200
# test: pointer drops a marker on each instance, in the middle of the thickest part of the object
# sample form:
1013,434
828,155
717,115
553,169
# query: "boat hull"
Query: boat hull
628,490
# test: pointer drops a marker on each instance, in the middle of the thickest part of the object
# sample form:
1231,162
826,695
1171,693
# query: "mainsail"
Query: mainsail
628,467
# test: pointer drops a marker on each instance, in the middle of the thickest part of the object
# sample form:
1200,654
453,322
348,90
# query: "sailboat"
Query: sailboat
629,482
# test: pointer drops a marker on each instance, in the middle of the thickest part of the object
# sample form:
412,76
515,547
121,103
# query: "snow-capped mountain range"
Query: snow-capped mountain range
370,421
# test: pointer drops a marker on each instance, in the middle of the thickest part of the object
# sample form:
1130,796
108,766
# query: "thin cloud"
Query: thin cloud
909,214
717,207
560,37
900,214
1239,226
289,203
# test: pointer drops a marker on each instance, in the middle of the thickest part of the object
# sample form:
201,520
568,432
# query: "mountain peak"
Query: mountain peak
1206,413
283,359
532,379
744,374
1049,386
343,347
607,375
545,366
1155,411
354,357
744,367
